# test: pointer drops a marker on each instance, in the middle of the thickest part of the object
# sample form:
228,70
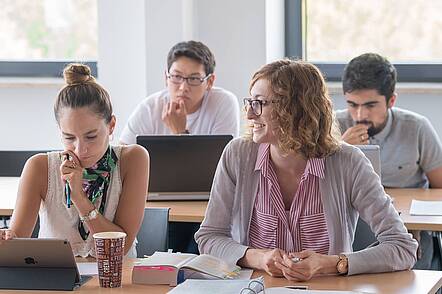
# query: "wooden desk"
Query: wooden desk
193,211
182,211
93,286
416,281
402,201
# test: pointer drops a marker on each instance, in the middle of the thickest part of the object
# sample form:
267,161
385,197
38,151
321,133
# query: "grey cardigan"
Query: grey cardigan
350,188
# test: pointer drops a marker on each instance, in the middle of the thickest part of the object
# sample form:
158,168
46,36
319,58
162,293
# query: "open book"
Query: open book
172,268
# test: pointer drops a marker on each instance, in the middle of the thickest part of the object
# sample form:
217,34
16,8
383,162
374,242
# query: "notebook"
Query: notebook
182,167
38,264
373,153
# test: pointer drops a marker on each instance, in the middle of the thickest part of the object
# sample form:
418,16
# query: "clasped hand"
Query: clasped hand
6,234
174,115
278,263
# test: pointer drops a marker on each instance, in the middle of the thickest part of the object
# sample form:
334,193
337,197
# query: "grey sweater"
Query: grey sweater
350,189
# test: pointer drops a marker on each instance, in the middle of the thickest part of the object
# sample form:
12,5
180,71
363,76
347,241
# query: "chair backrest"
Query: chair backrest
36,229
154,231
364,237
6,222
12,162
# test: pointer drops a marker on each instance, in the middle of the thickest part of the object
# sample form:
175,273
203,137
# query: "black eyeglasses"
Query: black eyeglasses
256,105
191,81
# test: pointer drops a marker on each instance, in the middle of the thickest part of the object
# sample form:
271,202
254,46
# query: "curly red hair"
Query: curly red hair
304,110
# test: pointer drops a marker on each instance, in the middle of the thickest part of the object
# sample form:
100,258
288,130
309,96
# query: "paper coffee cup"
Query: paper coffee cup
109,250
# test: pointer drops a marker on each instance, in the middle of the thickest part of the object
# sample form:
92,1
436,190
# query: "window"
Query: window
330,33
39,37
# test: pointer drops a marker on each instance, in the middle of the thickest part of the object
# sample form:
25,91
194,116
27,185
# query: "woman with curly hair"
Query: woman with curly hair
287,197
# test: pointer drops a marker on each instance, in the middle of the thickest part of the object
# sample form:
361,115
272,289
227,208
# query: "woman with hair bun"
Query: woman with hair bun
286,199
89,187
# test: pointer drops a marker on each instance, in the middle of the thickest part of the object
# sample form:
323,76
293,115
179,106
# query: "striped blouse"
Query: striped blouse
303,227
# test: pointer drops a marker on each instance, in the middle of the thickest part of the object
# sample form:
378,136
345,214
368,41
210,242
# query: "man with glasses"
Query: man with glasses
189,104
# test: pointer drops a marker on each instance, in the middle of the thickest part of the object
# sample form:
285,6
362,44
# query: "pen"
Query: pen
67,189
297,287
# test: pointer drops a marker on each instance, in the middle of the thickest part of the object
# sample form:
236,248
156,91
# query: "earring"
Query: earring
111,137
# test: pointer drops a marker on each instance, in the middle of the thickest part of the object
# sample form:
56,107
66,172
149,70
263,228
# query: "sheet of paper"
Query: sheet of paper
419,207
245,274
216,286
87,268
283,290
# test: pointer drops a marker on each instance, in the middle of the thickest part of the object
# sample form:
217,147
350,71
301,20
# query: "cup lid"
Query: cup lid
109,235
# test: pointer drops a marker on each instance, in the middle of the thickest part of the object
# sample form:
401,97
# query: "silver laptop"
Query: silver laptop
373,153
37,264
182,167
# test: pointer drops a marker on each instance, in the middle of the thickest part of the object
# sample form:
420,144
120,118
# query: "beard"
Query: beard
372,130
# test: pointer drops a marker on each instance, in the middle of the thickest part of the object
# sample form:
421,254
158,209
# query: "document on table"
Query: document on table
87,268
254,286
218,286
245,274
419,207
286,290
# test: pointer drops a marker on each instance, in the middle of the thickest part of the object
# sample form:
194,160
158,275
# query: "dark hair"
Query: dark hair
303,108
82,90
193,50
370,71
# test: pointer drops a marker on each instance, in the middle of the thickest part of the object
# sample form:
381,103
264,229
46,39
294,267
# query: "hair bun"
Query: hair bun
77,73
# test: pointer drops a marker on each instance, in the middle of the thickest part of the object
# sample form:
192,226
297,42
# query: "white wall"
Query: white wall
134,38
164,27
26,117
233,30
122,55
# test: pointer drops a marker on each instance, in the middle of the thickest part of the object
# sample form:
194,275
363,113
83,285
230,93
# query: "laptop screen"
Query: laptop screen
180,164
373,153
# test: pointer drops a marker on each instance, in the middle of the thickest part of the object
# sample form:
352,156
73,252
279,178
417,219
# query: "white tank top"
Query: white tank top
59,221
